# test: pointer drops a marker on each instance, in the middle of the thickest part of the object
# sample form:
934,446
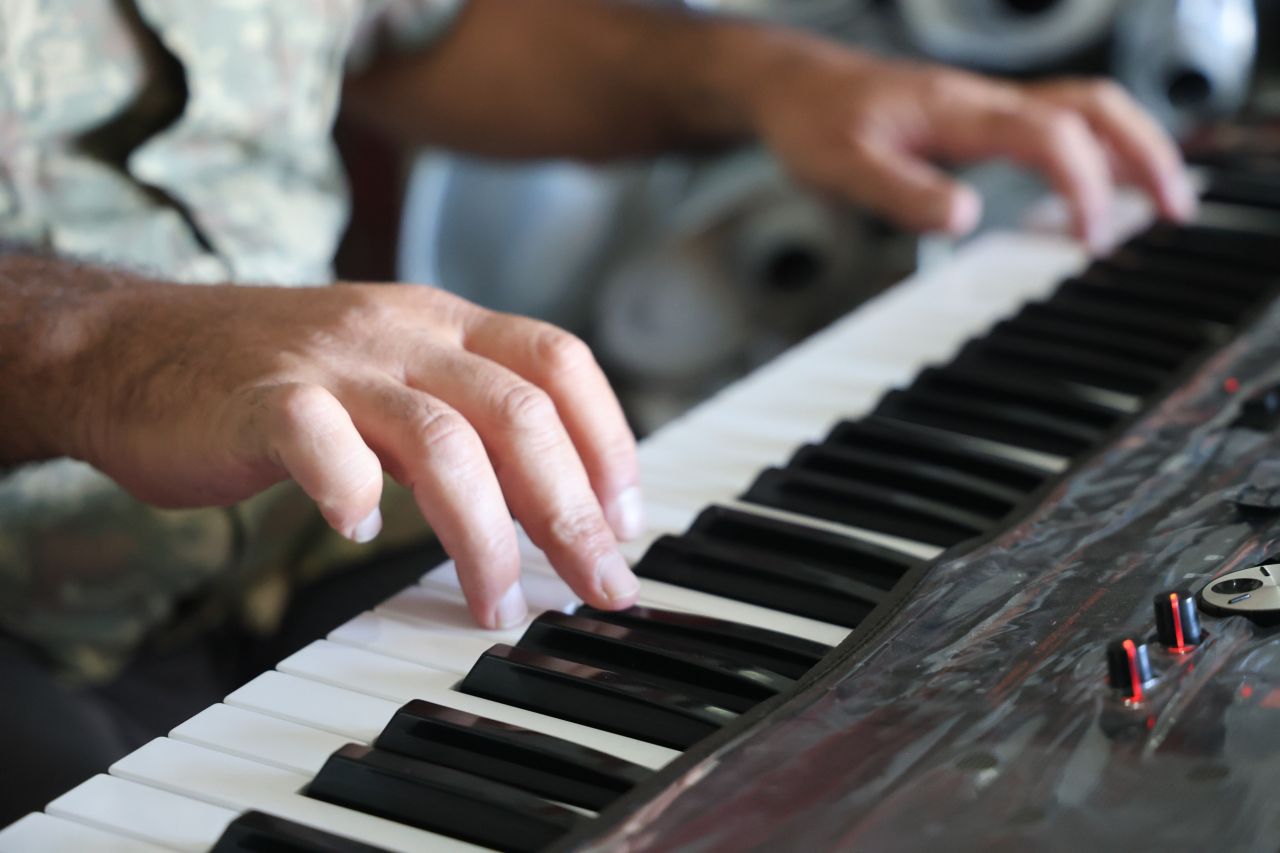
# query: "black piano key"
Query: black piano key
1025,355
439,799
926,479
1055,398
1243,160
1190,271
1232,247
662,660
878,508
1018,426
256,832
1196,300
928,444
748,644
742,574
1140,295
608,700
1107,313
548,766
1140,349
799,544
1249,189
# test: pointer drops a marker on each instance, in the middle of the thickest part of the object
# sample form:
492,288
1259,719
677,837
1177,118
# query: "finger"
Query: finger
1058,143
1143,148
909,191
563,366
431,449
538,467
305,431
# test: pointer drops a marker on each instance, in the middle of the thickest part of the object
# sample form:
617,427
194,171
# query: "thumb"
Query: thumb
909,191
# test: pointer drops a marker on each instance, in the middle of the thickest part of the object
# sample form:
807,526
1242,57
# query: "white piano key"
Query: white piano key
46,834
238,783
445,610
709,484
394,681
258,737
664,514
659,594
675,490
346,713
736,445
268,739
450,651
540,592
145,813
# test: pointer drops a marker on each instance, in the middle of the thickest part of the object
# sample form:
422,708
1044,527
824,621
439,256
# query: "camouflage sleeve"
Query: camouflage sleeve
399,26
87,573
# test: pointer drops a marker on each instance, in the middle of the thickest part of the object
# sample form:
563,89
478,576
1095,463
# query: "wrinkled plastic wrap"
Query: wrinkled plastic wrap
976,718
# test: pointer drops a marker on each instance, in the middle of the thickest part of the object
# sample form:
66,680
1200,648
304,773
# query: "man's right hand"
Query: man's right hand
195,396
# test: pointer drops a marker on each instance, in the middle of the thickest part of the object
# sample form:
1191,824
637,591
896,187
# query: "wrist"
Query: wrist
53,360
749,65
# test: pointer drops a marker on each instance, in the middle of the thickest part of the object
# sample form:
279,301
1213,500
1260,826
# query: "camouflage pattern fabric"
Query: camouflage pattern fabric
237,181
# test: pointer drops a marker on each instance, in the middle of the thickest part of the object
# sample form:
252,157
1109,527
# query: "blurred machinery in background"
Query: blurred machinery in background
685,273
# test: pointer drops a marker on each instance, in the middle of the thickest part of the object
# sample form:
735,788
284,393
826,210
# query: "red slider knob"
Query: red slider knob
1177,623
1128,669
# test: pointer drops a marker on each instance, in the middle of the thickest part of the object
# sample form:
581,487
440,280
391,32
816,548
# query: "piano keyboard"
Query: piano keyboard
782,513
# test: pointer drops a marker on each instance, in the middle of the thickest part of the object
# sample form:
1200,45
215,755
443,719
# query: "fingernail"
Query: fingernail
1094,242
1185,200
626,514
964,210
1097,234
511,609
366,530
615,579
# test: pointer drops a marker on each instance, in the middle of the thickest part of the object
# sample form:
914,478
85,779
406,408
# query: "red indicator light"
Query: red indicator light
1177,623
1231,385
1245,691
1135,678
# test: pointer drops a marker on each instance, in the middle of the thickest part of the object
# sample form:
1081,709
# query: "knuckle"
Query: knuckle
559,351
581,529
449,308
442,432
1060,123
302,408
1106,93
361,308
521,405
939,86
1058,127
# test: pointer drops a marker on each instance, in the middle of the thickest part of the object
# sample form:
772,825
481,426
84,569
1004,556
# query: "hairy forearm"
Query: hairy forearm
52,316
578,78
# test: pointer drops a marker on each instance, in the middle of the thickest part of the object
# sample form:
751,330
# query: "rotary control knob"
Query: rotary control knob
1128,669
1177,623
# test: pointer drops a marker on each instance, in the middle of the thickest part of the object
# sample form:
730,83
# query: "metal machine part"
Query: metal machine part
1187,60
744,265
1253,592
1005,35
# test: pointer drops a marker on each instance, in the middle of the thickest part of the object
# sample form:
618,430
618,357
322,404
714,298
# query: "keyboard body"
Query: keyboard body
964,702
977,715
